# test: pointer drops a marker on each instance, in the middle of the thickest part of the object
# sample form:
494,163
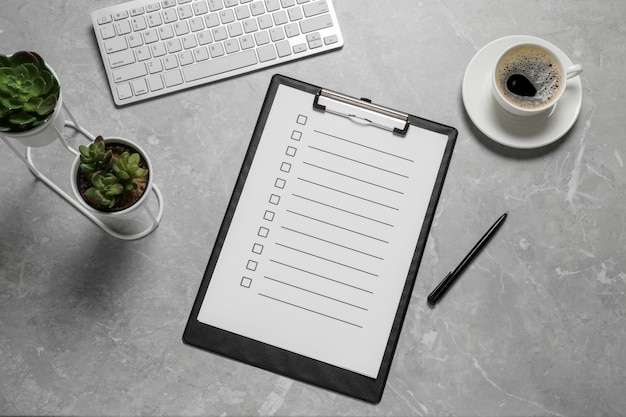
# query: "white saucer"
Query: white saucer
503,127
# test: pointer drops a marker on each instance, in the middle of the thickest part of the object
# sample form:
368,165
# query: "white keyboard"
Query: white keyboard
150,48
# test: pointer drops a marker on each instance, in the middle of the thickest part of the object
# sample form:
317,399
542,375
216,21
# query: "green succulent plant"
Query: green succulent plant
111,174
28,92
127,169
106,189
95,157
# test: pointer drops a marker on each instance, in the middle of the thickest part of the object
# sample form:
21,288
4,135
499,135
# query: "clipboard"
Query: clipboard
315,261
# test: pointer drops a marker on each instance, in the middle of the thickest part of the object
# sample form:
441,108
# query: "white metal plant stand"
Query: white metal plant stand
27,159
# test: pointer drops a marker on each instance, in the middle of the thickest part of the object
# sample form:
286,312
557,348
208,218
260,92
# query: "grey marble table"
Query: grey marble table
90,325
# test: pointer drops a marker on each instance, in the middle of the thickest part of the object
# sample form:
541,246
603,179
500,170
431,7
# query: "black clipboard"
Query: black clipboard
284,362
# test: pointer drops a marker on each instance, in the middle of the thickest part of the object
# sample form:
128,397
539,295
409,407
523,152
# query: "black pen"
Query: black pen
449,279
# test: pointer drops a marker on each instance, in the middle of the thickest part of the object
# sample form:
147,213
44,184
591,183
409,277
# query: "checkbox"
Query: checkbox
269,215
246,282
291,151
280,183
274,199
257,248
296,135
263,231
285,167
301,120
252,265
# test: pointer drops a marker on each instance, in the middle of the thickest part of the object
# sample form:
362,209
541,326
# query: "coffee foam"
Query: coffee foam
538,66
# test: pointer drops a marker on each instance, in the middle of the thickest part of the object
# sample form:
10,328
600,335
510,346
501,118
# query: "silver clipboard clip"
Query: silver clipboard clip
362,111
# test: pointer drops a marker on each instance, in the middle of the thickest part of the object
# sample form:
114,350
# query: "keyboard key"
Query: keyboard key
170,62
154,19
115,44
185,12
152,7
139,86
317,23
136,11
155,83
301,47
329,40
124,91
120,15
266,53
150,36
315,8
158,49
280,17
201,54
216,50
155,66
138,23
169,16
200,8
272,5
185,58
257,8
104,18
119,59
283,48
142,53
215,5
221,65
129,72
107,31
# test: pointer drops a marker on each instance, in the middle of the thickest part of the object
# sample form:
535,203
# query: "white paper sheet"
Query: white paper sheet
323,235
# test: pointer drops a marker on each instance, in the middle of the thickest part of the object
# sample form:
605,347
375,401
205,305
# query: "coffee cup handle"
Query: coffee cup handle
574,71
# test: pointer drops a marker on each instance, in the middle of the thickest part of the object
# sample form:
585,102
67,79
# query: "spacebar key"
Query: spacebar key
220,65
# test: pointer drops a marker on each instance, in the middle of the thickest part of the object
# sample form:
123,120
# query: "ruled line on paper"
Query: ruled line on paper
321,276
315,293
332,243
351,177
326,259
343,210
310,310
337,226
360,144
357,161
347,193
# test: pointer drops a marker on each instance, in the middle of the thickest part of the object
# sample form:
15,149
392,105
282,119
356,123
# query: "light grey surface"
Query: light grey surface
90,325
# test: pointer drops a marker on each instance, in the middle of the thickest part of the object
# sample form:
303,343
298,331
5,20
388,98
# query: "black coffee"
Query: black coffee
520,85
528,76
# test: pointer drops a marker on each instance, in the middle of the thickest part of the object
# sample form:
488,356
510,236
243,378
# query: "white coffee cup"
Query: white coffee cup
530,78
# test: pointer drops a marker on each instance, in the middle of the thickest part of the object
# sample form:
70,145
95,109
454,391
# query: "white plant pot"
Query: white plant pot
46,133
128,212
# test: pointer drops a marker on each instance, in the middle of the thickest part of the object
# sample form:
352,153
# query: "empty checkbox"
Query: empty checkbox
246,282
280,183
296,135
291,151
257,248
285,167
268,215
274,199
301,120
263,231
252,265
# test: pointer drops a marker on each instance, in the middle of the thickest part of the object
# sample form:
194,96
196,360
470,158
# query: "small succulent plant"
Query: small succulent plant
28,92
127,169
95,157
105,188
112,174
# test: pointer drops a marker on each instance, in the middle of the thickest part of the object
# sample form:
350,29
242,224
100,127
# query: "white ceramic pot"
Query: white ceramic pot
46,133
129,211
